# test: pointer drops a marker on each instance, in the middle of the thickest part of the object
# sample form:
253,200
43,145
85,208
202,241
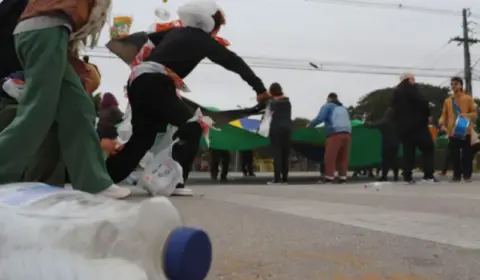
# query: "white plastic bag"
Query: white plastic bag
264,127
124,129
163,173
13,87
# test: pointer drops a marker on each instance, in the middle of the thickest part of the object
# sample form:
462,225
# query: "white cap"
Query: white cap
198,14
406,75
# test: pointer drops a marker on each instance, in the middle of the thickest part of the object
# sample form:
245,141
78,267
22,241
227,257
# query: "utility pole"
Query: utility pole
466,41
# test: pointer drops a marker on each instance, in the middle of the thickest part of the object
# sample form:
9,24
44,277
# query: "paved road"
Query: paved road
340,232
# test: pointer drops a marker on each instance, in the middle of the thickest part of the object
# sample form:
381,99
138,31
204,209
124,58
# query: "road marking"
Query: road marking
461,232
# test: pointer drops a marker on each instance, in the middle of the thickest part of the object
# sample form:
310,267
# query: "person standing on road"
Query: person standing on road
411,113
246,160
390,145
280,133
460,147
338,129
222,158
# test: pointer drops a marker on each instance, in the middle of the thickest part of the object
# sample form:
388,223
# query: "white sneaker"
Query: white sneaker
182,192
116,192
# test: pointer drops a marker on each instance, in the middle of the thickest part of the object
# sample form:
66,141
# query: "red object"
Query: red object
159,27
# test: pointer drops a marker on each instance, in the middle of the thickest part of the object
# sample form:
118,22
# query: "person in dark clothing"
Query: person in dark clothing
10,11
447,163
411,113
222,158
153,85
246,162
390,145
280,133
109,115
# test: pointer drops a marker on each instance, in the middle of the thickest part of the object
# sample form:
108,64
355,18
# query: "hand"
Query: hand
263,97
308,125
463,115
443,128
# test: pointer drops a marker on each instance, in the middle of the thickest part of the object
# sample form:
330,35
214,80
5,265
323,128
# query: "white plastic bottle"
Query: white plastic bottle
48,264
149,234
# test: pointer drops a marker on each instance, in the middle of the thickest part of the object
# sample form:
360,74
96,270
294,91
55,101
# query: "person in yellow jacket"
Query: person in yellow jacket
462,105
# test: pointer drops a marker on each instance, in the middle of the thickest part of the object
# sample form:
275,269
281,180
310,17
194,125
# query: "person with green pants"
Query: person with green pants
54,94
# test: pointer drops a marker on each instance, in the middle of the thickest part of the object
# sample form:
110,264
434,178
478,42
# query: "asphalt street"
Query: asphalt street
338,232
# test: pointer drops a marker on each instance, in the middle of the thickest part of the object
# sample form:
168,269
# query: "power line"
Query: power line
308,67
399,6
286,62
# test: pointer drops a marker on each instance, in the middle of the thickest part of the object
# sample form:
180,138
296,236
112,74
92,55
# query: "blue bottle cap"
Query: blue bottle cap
187,254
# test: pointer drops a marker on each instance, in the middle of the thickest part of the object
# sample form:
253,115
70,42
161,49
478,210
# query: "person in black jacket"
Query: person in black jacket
246,162
153,85
10,11
411,113
280,133
222,158
390,144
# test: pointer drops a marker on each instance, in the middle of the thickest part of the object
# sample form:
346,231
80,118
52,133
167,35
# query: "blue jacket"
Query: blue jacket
335,117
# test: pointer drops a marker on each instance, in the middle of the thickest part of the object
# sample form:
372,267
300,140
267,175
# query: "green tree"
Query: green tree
300,123
375,103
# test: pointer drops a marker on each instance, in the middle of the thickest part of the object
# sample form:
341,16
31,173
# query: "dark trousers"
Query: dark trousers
421,139
219,157
280,142
390,160
246,161
461,155
448,160
155,104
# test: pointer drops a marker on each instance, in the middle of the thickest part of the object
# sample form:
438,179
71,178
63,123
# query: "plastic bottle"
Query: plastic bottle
50,264
149,234
377,185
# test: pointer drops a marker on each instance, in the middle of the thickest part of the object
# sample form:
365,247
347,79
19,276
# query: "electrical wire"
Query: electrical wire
308,67
475,64
399,6
285,62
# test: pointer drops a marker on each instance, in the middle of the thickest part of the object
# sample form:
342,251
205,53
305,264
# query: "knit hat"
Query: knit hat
405,76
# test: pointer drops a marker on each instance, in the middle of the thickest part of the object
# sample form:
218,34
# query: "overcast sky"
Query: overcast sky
320,31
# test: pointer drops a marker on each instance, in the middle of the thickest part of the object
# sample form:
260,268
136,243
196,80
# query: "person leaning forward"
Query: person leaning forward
54,93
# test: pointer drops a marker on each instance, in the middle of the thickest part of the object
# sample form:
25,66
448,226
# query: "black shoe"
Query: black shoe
274,182
383,179
341,181
252,175
410,181
430,180
467,179
223,179
214,178
325,181
456,180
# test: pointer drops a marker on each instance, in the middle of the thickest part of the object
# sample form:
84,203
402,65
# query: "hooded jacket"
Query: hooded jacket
282,115
410,108
336,118
387,129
